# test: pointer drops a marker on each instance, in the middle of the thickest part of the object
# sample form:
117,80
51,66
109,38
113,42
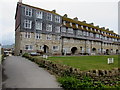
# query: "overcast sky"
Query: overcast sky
101,12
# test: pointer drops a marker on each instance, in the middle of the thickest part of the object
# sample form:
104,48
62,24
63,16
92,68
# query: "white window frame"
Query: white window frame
97,36
38,36
63,29
64,22
29,47
27,35
57,19
70,30
57,29
38,25
27,24
49,16
55,48
79,32
70,24
91,35
48,37
49,27
28,11
77,25
39,14
41,47
84,33
87,33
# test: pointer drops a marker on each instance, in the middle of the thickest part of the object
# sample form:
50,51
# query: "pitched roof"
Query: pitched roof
39,8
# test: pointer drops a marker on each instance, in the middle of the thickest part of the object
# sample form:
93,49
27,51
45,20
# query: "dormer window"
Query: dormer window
64,22
91,29
87,28
95,30
77,25
82,27
70,24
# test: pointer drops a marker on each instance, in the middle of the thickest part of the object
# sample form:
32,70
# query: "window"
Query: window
77,25
97,35
84,33
55,48
49,37
38,36
57,37
39,14
28,11
63,29
38,25
27,35
70,24
100,36
41,47
91,34
87,33
105,38
28,47
27,24
49,27
82,27
57,29
64,23
79,32
70,30
57,19
49,17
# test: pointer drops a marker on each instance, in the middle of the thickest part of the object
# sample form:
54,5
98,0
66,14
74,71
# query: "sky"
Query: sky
100,12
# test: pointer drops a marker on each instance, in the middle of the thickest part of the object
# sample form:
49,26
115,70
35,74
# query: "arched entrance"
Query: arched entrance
46,49
107,51
73,50
117,51
94,50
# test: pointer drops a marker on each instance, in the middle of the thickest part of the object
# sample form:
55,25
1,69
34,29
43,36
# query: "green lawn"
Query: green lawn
87,62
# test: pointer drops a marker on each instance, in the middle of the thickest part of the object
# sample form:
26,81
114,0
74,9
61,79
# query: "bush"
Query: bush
72,83
26,55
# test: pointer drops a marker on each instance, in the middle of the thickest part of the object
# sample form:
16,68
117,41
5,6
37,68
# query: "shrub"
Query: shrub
26,55
72,83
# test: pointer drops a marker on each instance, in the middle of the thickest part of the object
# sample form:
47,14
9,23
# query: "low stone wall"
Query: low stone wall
62,70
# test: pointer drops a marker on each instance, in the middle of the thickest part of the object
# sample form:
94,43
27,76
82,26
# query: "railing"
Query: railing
86,37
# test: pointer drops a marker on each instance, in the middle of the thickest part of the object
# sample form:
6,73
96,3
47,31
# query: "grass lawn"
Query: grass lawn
87,62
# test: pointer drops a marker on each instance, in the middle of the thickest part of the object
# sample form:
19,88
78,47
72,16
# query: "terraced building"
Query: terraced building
44,31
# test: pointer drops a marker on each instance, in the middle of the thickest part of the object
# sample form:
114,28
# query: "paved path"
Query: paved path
22,73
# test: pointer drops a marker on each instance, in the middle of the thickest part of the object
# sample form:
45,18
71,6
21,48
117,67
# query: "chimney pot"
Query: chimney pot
76,19
54,11
65,15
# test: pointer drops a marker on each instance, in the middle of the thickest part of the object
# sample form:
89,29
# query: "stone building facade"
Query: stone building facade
43,31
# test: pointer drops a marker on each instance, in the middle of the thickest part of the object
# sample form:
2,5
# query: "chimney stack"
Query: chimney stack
76,19
103,27
54,11
97,26
91,23
107,29
66,15
84,21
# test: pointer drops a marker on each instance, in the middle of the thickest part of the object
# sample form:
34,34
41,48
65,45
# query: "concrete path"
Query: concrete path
22,73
